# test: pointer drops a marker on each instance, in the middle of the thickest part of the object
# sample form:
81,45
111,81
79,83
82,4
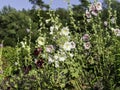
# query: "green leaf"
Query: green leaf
76,75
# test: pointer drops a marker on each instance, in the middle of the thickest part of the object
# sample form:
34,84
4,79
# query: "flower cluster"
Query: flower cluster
94,9
38,60
112,20
57,52
86,39
54,52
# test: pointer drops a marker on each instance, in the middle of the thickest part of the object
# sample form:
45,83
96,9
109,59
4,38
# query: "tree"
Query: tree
13,24
39,3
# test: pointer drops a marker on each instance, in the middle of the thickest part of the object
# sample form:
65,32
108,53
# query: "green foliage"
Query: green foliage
43,61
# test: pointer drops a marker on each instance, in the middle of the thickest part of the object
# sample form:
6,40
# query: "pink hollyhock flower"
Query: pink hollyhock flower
87,14
86,37
94,12
72,44
92,7
49,48
87,45
98,6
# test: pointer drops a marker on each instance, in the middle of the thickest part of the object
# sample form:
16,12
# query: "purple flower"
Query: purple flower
39,63
37,51
26,69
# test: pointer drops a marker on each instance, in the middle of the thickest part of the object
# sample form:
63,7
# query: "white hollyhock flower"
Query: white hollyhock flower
87,45
116,31
23,44
64,31
71,55
98,6
112,20
67,46
16,63
105,23
28,30
53,28
88,20
50,60
56,64
47,21
40,41
62,58
56,57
